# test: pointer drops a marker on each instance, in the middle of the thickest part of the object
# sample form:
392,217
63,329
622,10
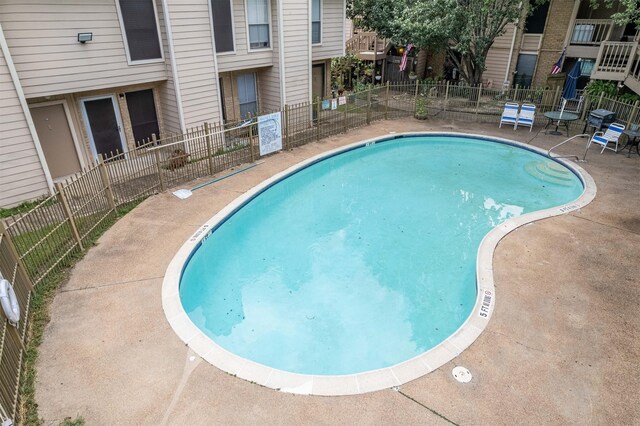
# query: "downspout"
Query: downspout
215,63
174,67
25,109
283,90
513,43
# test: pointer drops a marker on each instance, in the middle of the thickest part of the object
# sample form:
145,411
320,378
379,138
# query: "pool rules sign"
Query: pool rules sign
270,133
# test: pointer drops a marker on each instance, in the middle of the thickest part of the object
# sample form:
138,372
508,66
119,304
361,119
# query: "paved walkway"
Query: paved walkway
562,347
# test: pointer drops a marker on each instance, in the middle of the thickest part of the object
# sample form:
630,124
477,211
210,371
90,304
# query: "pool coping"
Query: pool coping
373,380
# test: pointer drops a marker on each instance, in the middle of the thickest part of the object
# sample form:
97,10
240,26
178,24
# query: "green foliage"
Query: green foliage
629,10
421,107
597,87
629,97
342,67
78,421
465,29
22,208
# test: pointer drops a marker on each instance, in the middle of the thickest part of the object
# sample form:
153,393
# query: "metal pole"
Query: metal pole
156,155
67,211
478,101
446,96
251,143
317,118
106,183
207,135
369,106
386,103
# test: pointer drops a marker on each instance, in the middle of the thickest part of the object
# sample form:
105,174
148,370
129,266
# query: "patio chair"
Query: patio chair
527,116
510,114
573,105
612,135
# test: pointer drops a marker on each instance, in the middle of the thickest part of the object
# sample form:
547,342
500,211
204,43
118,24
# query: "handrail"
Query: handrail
570,156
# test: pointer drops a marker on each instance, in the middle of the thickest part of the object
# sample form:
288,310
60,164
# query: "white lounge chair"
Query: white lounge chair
510,114
612,135
527,116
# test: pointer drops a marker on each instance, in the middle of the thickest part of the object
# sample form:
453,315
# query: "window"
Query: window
247,95
141,29
258,20
142,112
316,23
535,22
222,25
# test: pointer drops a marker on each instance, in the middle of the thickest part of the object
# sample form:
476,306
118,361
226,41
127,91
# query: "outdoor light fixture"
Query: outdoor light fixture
85,37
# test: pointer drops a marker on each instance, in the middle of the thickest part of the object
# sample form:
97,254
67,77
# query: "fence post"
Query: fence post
478,101
106,182
345,121
207,138
369,106
600,100
251,141
286,126
317,106
156,155
67,212
446,96
6,236
634,113
515,93
556,98
386,103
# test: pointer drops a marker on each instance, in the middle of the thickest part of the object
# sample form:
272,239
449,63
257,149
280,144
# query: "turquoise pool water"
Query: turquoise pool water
367,258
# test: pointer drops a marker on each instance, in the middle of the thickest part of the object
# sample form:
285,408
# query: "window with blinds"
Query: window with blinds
258,20
247,95
316,23
141,29
222,25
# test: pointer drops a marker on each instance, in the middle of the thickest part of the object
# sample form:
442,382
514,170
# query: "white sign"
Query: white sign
270,133
334,104
342,100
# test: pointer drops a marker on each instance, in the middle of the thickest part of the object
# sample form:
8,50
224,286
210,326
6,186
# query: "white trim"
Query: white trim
25,109
269,21
344,22
67,113
215,58
87,124
174,66
374,380
126,43
283,70
321,21
310,54
233,30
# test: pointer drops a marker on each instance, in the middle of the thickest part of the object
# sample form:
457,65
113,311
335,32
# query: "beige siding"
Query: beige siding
498,58
193,47
167,93
242,58
332,31
269,79
531,42
21,174
42,37
296,29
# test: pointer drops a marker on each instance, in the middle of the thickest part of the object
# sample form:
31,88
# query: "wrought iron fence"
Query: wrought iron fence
39,243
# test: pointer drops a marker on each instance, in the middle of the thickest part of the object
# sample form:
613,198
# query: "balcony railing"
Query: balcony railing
368,43
591,32
616,60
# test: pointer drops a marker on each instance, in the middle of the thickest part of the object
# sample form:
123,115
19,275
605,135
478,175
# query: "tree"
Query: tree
464,29
630,10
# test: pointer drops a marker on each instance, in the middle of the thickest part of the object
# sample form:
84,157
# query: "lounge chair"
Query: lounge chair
510,114
527,116
612,135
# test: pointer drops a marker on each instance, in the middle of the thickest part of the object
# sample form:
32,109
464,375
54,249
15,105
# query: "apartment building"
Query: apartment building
525,54
83,78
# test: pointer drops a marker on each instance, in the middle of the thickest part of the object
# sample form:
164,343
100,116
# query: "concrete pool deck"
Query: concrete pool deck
563,345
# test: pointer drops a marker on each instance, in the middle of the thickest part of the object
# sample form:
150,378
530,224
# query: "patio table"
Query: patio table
560,118
632,140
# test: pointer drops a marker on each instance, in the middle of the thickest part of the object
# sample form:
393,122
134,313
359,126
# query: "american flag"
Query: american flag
403,62
557,67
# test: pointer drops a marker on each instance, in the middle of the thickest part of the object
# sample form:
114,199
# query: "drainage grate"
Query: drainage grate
461,374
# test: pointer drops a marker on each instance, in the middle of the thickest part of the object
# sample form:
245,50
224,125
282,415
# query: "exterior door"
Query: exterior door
525,69
56,139
318,80
103,126
247,95
142,112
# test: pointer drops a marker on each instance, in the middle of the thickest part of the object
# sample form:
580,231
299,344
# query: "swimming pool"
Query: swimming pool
360,261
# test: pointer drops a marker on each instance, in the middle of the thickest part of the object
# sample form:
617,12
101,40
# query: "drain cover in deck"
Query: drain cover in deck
461,374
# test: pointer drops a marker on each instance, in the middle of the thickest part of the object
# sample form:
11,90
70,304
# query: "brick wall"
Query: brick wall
555,32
